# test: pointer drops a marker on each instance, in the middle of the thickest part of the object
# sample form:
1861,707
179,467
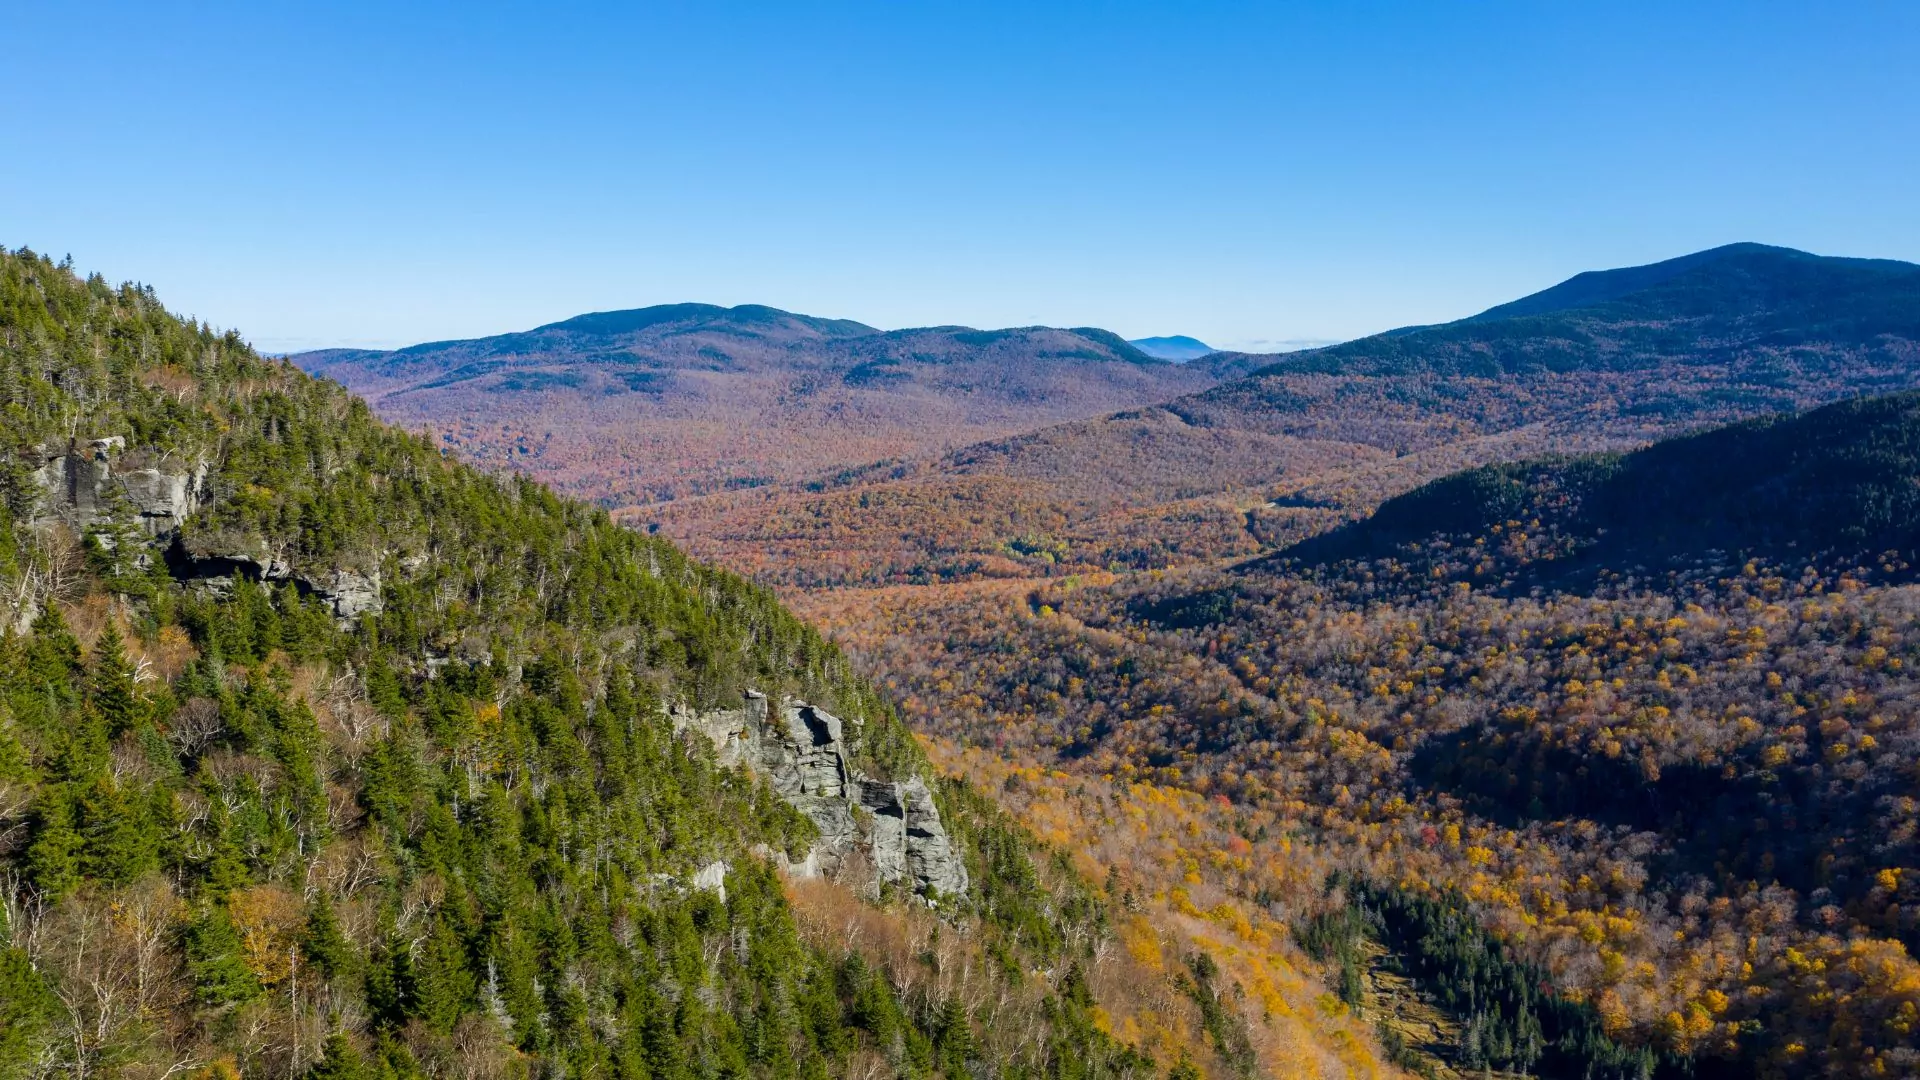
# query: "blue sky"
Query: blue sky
1250,174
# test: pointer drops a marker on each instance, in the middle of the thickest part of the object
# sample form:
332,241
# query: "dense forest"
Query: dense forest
323,755
1637,716
1646,719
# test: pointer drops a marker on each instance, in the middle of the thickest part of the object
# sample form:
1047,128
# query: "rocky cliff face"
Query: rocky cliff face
99,482
801,750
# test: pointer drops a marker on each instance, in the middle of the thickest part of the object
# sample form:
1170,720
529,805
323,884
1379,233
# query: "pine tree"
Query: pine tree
324,944
53,859
339,1061
220,975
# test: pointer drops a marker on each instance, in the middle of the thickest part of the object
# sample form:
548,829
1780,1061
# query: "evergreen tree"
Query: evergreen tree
110,689
444,984
54,857
953,1037
27,1008
323,943
339,1061
121,845
214,962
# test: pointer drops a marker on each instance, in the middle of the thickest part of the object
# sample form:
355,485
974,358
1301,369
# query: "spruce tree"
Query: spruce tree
339,1061
120,842
323,943
110,689
53,859
443,979
220,974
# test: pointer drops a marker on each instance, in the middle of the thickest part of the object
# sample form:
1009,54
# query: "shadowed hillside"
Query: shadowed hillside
1838,482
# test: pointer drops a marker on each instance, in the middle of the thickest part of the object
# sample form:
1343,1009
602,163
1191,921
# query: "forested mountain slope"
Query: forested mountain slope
324,755
633,407
1838,482
1750,329
1609,758
1607,360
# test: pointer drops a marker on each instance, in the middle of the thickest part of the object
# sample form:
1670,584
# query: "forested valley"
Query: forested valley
1526,695
1638,729
1555,756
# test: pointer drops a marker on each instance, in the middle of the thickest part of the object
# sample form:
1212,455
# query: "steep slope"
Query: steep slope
631,407
1835,483
322,754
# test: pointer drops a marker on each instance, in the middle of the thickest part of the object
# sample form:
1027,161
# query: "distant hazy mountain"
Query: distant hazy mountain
1179,348
662,402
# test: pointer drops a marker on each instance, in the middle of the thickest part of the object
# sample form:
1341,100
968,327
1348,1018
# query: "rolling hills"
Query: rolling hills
633,407
1316,437
1561,755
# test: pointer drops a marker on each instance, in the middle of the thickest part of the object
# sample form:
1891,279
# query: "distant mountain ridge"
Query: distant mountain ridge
1596,287
1712,306
1312,438
636,319
1715,336
1178,347
655,403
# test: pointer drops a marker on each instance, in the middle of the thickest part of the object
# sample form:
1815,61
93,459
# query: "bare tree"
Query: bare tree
94,971
194,726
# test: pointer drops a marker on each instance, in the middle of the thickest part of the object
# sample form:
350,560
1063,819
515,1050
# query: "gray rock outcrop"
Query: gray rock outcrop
93,482
212,563
801,750
909,841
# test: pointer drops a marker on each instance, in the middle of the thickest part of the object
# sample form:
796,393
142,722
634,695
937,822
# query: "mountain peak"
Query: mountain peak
1595,287
1178,348
634,320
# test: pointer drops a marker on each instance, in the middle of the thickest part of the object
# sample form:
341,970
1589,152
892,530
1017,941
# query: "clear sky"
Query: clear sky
1250,174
